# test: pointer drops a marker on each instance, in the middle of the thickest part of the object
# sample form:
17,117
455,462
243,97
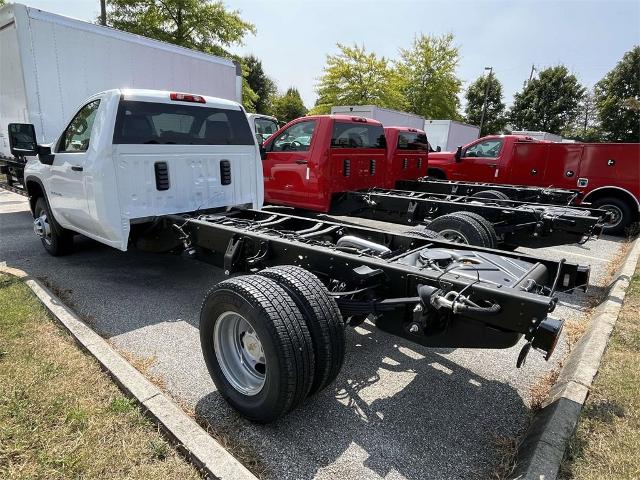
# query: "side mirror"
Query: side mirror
22,139
44,154
438,148
458,155
263,151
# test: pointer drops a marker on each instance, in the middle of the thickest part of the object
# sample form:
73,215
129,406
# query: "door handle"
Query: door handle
301,162
494,165
77,168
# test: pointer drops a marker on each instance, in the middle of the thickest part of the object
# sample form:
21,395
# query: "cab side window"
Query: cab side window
78,134
296,138
486,149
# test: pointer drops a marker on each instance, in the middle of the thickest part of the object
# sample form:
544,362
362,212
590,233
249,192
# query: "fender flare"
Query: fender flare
612,187
32,200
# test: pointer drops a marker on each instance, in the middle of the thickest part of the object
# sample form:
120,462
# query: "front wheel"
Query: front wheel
55,239
257,347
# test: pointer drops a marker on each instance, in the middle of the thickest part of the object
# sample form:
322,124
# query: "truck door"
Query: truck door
67,186
286,170
480,162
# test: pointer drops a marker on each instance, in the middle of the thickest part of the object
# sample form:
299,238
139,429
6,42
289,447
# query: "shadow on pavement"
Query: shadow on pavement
437,421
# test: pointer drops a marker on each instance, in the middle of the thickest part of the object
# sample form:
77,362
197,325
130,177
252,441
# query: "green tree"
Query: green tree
203,25
289,106
356,77
429,81
260,83
618,99
586,126
494,119
549,103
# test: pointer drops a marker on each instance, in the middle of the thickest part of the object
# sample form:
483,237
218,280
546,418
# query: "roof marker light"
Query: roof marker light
187,97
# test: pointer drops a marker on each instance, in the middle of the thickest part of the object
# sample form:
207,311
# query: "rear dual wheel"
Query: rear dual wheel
465,227
270,340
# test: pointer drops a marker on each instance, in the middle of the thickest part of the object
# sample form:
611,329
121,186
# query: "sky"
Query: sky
294,36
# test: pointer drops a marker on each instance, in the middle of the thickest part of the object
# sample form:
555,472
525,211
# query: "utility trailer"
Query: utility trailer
520,193
477,221
274,336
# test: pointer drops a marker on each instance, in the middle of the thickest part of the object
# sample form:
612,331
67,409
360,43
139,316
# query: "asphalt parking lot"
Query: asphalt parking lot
397,410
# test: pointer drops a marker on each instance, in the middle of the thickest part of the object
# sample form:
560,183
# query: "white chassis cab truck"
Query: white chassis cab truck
127,156
170,171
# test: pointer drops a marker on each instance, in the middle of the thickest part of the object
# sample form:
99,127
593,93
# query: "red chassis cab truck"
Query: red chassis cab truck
312,158
606,174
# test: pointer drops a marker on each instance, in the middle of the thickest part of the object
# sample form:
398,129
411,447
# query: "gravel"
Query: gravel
397,410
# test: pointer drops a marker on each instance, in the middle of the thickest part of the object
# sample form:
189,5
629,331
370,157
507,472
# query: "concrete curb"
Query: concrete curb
542,449
190,439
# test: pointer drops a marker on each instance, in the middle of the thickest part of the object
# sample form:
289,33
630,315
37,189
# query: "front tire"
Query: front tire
257,347
55,239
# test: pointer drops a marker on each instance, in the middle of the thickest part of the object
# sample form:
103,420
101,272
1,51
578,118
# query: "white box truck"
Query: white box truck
546,136
50,63
388,118
449,134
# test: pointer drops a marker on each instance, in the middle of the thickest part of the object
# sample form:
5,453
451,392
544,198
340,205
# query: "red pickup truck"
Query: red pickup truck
606,174
311,159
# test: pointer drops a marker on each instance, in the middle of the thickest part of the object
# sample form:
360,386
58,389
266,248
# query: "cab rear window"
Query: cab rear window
357,135
412,141
169,124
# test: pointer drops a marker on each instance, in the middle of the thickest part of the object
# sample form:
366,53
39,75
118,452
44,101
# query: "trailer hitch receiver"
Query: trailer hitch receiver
545,340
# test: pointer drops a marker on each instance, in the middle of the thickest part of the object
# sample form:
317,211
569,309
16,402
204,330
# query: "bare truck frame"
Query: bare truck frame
488,222
521,193
426,290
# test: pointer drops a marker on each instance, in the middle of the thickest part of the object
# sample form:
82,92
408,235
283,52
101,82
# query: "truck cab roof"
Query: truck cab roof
165,96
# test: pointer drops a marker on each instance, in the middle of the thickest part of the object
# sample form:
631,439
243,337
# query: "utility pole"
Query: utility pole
486,97
533,69
103,12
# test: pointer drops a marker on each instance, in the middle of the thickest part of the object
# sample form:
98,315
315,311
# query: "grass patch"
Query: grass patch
607,439
60,415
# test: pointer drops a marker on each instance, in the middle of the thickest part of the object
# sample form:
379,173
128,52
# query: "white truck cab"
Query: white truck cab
129,156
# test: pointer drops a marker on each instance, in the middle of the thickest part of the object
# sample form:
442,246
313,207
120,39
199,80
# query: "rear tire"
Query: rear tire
55,239
622,212
257,347
461,229
486,225
425,232
322,317
492,194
